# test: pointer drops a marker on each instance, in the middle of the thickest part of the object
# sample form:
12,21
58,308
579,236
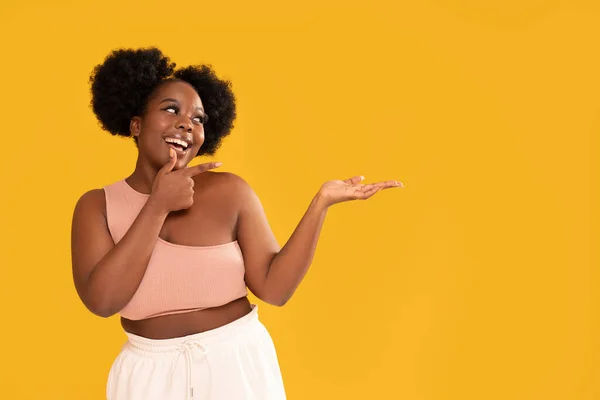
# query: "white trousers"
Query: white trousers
233,362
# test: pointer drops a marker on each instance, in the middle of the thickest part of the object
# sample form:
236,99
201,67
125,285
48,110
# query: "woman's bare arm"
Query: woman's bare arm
106,275
274,274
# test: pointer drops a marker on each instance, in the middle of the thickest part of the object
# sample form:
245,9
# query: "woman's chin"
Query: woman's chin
179,165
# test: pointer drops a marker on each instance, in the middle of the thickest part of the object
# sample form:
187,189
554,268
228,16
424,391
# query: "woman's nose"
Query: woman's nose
184,124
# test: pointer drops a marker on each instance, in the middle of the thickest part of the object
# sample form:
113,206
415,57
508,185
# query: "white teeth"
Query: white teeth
182,143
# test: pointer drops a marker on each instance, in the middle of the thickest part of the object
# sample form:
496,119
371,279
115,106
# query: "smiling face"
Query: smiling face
174,118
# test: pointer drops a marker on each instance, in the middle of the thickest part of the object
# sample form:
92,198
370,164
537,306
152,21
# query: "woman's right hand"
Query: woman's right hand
174,190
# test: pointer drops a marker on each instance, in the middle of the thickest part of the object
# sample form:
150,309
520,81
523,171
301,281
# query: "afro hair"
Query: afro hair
123,83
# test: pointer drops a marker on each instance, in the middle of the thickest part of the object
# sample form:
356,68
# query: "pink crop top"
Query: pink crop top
178,278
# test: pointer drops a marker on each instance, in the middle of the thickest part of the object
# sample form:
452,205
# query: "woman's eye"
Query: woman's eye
200,120
171,110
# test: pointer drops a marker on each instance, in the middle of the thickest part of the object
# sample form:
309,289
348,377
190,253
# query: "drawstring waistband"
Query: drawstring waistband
187,348
187,345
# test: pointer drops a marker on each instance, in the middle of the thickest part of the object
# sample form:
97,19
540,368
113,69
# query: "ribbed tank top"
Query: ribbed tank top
178,278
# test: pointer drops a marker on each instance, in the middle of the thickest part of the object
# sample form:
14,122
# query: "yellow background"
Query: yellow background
477,281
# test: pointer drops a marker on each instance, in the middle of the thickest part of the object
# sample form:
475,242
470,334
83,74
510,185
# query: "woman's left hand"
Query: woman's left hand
337,191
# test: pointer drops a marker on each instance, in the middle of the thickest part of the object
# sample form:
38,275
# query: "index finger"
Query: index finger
388,184
200,168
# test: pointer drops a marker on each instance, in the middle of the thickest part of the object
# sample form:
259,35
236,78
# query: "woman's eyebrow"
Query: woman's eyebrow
175,101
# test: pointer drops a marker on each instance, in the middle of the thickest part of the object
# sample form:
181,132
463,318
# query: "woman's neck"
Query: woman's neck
142,177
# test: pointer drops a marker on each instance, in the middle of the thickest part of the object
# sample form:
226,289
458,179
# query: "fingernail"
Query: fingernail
218,164
362,178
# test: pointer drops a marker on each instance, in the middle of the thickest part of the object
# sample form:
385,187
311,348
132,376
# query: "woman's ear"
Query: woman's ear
135,126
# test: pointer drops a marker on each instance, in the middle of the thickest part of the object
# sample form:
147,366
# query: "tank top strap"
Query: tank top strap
123,205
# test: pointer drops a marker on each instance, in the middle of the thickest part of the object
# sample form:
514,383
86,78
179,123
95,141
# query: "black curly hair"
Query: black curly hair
123,83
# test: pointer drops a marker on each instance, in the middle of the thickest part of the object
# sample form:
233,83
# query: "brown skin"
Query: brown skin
196,207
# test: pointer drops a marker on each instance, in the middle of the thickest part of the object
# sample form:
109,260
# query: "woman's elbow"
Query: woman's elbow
101,310
275,299
269,293
98,306
105,312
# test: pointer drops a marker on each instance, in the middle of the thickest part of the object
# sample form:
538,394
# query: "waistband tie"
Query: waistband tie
187,349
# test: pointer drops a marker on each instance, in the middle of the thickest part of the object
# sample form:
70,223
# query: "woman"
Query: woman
172,248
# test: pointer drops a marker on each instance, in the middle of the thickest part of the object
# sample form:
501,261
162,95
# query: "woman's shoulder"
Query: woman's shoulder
94,200
98,194
226,181
224,190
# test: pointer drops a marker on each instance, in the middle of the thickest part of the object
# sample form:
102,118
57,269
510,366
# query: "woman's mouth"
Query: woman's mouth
180,146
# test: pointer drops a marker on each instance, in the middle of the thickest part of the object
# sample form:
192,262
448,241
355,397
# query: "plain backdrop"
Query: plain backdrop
477,281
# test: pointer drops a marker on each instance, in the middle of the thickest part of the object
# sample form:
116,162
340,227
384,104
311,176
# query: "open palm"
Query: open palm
337,191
